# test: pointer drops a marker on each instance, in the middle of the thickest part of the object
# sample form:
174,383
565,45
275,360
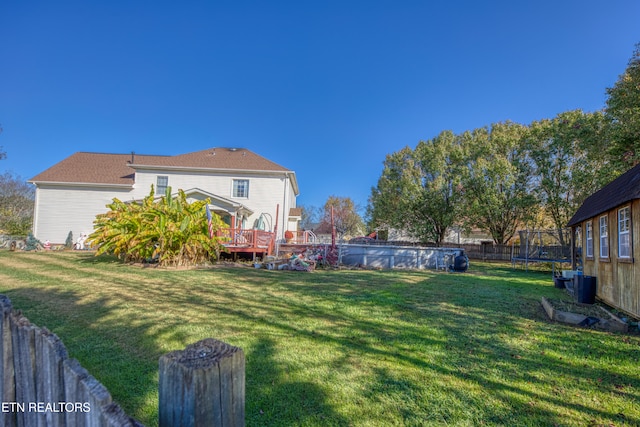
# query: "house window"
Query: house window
589,239
624,240
604,237
241,188
162,182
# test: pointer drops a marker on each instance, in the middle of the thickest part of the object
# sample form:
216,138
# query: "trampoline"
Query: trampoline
537,246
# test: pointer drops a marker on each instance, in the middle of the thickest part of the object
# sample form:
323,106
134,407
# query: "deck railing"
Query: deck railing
251,240
303,237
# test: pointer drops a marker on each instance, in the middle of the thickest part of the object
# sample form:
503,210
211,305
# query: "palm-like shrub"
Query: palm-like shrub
169,230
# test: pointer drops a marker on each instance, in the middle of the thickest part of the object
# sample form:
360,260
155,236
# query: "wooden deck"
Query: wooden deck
237,240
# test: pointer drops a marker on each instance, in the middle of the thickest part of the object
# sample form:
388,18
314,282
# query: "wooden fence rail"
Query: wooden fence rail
491,252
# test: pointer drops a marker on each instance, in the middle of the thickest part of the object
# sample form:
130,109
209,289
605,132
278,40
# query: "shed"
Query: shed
608,224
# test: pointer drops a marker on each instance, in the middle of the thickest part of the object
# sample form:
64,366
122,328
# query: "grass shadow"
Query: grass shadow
273,389
341,347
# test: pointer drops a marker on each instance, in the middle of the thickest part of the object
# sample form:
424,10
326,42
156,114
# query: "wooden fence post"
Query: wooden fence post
97,396
24,362
7,373
50,354
202,385
114,416
74,373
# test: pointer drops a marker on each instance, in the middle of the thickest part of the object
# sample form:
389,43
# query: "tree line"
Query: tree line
501,177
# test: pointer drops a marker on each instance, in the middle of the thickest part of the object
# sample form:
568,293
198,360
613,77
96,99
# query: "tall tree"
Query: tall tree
496,182
310,216
623,112
398,186
568,164
346,219
438,206
419,190
16,205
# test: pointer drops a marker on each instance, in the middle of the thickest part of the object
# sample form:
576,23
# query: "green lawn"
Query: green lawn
356,348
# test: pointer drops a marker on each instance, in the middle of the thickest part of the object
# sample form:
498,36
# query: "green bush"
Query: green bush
68,244
168,230
32,244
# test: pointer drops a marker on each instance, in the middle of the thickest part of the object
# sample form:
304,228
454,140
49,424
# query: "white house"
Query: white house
245,189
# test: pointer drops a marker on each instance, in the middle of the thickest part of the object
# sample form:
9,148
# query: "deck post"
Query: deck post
573,249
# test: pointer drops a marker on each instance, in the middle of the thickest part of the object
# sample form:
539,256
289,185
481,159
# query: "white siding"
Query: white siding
265,191
59,210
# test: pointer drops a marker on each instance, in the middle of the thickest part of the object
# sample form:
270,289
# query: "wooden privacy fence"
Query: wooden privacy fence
42,386
490,252
203,385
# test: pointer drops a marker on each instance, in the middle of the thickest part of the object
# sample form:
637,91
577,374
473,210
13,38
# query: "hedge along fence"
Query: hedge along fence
202,385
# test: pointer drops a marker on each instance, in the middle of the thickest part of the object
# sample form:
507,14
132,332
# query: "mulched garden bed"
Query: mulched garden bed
586,315
594,310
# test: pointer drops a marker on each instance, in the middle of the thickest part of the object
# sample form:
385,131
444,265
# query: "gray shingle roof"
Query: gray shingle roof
621,190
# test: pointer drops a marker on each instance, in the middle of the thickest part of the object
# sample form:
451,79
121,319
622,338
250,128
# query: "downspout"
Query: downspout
285,225
34,224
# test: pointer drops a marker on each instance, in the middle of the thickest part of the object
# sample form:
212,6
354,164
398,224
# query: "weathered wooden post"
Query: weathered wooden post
114,416
7,374
202,385
50,354
24,362
73,373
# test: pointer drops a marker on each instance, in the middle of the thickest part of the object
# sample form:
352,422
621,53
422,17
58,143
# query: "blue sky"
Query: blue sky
325,88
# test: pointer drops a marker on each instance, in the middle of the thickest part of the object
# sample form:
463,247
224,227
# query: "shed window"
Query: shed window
241,188
162,182
589,239
624,228
604,237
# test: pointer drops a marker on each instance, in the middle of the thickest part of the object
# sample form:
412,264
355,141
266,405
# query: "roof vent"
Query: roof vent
233,149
